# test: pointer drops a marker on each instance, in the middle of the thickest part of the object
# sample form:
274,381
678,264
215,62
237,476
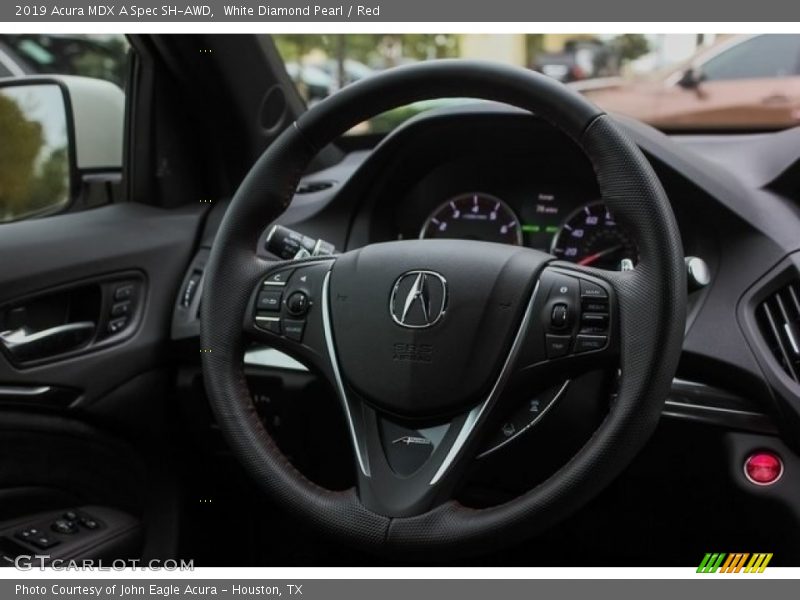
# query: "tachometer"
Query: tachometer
591,237
474,216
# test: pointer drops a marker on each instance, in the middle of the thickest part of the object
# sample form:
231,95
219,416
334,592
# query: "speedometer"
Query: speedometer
474,216
591,237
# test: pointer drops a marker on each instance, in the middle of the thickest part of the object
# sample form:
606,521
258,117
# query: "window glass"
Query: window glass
761,57
631,74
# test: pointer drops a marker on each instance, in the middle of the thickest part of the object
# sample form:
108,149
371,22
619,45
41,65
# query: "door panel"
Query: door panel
87,420
97,249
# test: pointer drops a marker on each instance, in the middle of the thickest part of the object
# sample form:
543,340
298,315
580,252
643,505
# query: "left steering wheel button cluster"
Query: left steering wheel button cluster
284,301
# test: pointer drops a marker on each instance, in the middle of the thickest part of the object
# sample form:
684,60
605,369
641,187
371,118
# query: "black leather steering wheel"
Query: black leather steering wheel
420,338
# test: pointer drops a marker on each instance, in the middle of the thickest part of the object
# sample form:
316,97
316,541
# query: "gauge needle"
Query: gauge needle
587,260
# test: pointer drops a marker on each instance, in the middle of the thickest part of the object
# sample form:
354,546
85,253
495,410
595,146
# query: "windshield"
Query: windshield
676,82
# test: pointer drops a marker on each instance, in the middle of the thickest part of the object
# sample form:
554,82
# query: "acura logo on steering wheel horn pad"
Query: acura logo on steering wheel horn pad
419,299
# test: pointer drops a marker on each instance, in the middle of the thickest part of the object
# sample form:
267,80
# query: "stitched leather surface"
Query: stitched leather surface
652,309
232,273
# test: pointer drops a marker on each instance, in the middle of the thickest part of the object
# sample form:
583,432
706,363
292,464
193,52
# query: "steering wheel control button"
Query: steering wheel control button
293,329
592,290
269,300
763,468
523,418
271,324
589,343
279,278
559,315
595,320
557,345
564,287
595,306
297,304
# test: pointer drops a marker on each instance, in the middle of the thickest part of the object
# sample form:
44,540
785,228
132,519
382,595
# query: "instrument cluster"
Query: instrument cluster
559,219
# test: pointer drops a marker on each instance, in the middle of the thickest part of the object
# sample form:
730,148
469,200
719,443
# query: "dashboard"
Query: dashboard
497,174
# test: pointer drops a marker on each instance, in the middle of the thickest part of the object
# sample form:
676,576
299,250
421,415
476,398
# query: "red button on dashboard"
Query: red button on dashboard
763,468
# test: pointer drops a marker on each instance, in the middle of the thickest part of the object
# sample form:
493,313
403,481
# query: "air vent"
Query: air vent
779,319
312,187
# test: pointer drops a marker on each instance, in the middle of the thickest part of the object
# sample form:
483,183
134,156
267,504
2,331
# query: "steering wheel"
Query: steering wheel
420,338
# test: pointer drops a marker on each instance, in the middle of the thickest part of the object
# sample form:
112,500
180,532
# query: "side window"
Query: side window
764,56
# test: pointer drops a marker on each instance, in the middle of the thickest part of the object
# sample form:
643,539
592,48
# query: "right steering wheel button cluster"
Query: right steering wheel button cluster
576,317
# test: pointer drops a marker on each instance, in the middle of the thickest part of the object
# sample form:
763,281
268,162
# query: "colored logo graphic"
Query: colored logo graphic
741,562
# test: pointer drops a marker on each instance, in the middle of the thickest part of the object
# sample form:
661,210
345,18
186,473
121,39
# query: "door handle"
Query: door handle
24,345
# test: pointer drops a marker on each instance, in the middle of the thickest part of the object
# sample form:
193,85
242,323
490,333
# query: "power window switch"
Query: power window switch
123,292
26,535
89,523
117,325
64,526
44,541
121,309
